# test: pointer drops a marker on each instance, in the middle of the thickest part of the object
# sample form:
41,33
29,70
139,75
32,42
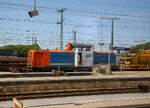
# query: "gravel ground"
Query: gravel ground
82,101
124,74
123,103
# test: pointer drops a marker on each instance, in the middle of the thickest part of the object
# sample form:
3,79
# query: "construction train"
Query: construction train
76,57
135,61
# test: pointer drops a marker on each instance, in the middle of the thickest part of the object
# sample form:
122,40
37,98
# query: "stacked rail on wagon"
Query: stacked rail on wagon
13,64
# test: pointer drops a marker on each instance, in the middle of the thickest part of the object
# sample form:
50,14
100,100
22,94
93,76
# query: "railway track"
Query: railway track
63,93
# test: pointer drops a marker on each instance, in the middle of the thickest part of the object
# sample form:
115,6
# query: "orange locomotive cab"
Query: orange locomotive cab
38,58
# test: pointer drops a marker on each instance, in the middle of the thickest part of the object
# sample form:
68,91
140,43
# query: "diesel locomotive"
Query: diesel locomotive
76,57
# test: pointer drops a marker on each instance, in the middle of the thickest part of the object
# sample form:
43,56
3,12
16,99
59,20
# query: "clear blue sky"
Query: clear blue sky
81,15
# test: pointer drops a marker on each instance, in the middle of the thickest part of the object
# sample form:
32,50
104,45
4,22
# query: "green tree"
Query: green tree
21,49
137,48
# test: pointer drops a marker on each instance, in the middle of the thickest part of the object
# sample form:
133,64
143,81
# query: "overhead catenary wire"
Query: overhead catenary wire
79,11
80,25
124,26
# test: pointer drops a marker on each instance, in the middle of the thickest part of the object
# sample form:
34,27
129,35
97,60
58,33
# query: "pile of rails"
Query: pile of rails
13,64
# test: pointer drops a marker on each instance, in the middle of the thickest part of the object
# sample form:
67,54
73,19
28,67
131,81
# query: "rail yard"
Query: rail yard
75,54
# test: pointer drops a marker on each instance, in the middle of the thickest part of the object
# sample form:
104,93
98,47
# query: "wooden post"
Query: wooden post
17,103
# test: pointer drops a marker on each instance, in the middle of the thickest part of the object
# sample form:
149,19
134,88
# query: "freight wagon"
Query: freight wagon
75,57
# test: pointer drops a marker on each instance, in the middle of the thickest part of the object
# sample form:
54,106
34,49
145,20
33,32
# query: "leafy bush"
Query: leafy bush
22,49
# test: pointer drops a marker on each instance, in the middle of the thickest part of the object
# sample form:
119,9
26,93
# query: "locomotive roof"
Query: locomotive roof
82,45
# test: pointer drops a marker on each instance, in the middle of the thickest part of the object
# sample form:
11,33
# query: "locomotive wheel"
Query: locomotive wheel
98,68
54,72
